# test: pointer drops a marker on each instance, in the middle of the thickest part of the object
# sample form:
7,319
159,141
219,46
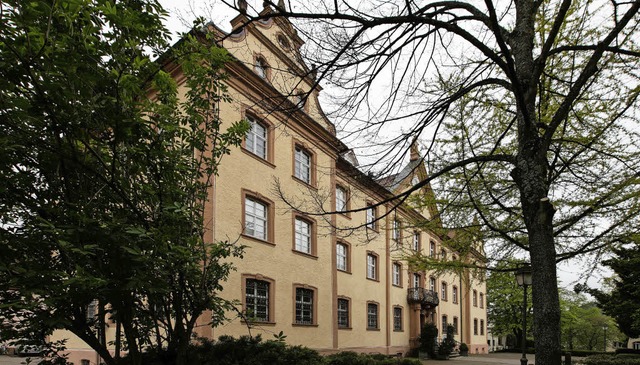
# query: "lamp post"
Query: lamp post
523,277
604,328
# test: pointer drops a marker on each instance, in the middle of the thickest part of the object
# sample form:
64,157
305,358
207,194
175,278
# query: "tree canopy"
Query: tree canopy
622,302
527,110
104,175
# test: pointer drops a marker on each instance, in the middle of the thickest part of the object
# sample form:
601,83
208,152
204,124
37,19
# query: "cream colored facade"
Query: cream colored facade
327,281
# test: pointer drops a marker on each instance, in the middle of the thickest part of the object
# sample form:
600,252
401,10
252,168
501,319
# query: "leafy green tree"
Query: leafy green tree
584,324
504,303
528,109
622,302
105,173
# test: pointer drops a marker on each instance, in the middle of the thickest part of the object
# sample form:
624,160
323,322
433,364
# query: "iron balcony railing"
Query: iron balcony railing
422,296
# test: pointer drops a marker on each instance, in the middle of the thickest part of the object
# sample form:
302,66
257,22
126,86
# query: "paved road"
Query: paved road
489,359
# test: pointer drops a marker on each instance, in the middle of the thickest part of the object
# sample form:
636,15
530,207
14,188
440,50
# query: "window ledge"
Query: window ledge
259,240
258,323
344,271
345,328
308,255
309,185
373,329
304,325
398,330
253,155
372,279
397,286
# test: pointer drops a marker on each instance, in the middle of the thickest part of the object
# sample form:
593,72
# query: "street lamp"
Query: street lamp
604,328
523,277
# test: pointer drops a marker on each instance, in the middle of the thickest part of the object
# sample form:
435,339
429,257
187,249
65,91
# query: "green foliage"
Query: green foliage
447,345
505,300
428,339
583,324
623,301
611,360
103,189
353,358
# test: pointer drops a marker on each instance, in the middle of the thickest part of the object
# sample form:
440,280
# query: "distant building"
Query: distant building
323,283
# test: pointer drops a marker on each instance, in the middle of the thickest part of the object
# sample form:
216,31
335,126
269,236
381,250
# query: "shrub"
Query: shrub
611,360
352,358
628,351
428,339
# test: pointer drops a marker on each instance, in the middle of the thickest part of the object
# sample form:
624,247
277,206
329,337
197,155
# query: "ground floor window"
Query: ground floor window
372,316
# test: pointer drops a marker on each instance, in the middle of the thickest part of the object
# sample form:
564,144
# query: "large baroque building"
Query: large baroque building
329,281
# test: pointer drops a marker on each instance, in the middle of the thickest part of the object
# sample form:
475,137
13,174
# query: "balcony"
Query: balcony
425,297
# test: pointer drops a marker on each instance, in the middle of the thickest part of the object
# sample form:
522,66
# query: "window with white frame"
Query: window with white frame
256,139
304,306
432,249
445,321
303,236
481,300
482,327
443,292
341,199
372,266
416,280
454,294
302,165
257,300
416,241
255,219
342,256
395,233
475,298
397,318
371,217
396,274
343,313
372,316
432,284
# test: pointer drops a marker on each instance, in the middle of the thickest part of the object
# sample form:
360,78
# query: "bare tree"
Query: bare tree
528,110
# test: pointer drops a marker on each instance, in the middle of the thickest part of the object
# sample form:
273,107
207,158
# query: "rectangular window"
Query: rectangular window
395,233
343,313
482,327
255,219
454,295
481,300
372,316
475,298
302,165
432,284
395,277
304,306
445,321
455,325
371,217
475,326
443,294
341,199
303,236
397,319
341,256
256,139
416,241
432,249
257,300
372,266
416,280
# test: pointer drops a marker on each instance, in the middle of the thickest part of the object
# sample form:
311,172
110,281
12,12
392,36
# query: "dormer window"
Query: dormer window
261,67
